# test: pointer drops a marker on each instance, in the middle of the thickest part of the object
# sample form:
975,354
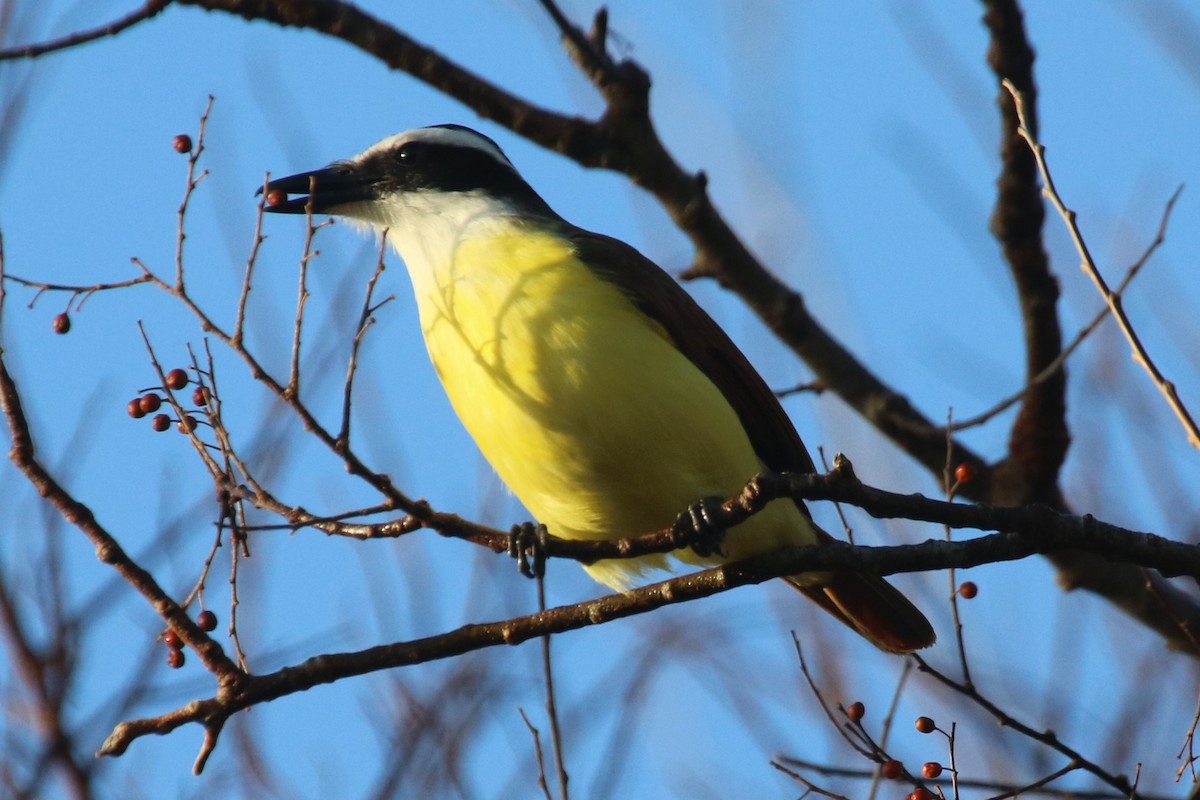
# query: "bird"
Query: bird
602,394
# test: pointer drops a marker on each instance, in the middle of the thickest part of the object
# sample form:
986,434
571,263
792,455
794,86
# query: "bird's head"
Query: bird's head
424,171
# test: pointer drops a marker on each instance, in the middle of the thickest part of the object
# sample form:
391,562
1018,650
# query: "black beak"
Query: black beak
324,189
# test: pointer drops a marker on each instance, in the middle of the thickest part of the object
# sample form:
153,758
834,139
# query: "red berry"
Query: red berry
174,657
62,323
206,620
187,424
964,473
276,196
892,769
177,379
968,590
931,769
925,725
150,403
182,143
856,711
134,408
160,422
171,639
200,396
920,793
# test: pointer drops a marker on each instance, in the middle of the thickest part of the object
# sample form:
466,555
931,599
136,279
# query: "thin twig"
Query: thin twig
537,750
1189,747
193,180
951,739
75,290
365,320
1112,299
107,548
1053,776
150,9
969,783
293,385
812,787
588,51
1047,738
854,735
556,738
950,484
1054,366
885,727
239,324
846,528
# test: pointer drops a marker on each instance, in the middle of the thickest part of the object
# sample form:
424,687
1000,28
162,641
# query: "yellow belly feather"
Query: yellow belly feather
580,402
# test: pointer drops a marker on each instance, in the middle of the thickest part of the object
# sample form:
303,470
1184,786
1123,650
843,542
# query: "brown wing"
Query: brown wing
866,603
698,337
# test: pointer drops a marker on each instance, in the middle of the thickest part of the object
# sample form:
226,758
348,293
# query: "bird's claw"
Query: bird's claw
527,544
697,527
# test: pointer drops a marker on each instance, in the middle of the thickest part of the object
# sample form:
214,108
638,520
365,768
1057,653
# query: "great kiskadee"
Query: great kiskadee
606,399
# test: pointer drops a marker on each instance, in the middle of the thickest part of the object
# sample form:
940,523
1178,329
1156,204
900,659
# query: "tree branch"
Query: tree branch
1038,441
147,11
1048,532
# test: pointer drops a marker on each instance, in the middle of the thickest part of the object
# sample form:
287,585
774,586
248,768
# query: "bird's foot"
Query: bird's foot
697,528
527,544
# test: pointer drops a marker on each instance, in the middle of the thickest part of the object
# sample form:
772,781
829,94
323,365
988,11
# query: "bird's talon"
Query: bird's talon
697,528
527,544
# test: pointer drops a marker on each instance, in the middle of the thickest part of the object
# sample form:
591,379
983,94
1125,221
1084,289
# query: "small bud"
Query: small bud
925,725
160,422
182,143
931,769
892,769
206,620
964,473
150,403
171,639
856,711
187,424
968,590
134,407
62,323
177,379
174,657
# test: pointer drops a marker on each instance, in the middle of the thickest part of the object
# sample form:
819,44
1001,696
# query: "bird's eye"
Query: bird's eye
410,152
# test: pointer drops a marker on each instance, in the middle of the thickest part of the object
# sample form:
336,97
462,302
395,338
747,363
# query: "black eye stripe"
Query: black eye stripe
417,166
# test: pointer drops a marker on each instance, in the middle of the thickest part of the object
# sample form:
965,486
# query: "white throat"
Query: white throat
427,228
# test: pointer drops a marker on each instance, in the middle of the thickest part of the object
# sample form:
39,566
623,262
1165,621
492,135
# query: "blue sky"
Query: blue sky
853,149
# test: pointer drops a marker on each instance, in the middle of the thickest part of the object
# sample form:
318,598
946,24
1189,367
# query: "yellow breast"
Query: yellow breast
580,402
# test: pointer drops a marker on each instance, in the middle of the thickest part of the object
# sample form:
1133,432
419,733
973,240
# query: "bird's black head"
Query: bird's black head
441,158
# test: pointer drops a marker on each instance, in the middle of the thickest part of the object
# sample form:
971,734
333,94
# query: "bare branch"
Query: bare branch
1039,438
1057,364
1088,264
108,551
1048,738
147,11
365,320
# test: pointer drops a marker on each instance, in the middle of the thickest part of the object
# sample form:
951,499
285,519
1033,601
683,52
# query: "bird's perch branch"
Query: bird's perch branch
1042,531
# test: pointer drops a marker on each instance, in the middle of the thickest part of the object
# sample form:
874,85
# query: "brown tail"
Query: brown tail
872,607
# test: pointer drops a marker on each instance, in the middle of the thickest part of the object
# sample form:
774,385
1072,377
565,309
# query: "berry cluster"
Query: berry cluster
205,621
151,402
893,769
